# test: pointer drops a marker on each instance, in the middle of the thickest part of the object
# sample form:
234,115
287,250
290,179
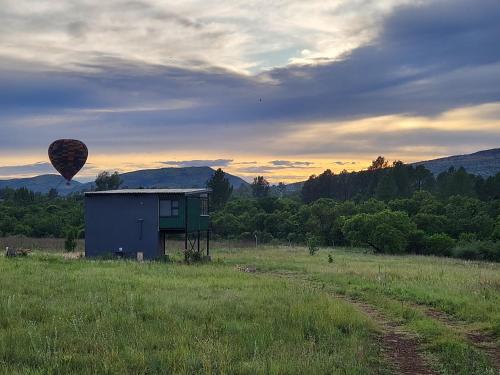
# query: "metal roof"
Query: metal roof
150,191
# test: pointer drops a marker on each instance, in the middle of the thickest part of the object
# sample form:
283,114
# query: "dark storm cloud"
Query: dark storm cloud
425,61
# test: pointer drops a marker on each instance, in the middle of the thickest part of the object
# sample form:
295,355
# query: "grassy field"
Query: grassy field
298,314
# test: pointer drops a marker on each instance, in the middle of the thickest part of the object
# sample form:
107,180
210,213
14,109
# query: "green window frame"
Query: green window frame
203,205
169,208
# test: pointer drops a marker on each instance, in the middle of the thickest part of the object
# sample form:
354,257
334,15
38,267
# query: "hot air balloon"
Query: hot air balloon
68,156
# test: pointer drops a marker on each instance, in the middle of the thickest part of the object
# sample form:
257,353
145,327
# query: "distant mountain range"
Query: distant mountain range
43,184
188,177
484,163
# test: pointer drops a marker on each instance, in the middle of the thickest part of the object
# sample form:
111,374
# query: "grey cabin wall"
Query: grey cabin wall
112,221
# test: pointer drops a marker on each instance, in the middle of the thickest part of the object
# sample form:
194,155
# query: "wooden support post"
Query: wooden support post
208,243
198,241
186,222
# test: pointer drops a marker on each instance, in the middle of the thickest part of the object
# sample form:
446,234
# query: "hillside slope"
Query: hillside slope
484,163
42,184
189,177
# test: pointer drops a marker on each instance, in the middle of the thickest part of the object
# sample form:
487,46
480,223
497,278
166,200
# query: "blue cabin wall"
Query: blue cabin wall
112,221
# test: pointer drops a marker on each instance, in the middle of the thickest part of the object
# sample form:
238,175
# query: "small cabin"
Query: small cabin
134,223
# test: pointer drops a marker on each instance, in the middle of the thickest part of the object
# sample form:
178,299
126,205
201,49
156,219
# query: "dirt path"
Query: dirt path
401,350
480,340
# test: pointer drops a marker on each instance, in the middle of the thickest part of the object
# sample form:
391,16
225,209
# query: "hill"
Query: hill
188,177
483,163
43,184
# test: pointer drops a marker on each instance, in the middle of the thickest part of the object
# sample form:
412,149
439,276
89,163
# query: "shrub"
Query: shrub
392,240
312,244
192,256
467,237
478,250
416,242
385,231
439,244
430,223
467,251
70,243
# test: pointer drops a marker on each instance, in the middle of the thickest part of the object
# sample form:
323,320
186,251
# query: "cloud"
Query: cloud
240,35
276,165
344,162
198,163
392,89
26,169
290,164
244,163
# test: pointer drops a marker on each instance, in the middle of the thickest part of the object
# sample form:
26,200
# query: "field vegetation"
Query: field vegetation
389,208
291,313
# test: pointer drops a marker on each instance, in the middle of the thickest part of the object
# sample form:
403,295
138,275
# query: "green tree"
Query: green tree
496,231
439,244
430,223
468,215
281,189
322,221
221,189
386,188
52,193
385,231
400,174
260,187
107,181
423,178
378,163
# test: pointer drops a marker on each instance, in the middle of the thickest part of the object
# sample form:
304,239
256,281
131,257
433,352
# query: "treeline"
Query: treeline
399,180
25,213
393,209
396,209
458,226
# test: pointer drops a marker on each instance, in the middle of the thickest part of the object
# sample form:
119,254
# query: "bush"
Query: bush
70,243
192,256
467,237
478,250
312,244
416,242
439,244
385,231
392,240
466,251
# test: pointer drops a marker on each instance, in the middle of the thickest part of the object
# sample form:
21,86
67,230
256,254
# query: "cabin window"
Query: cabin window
169,207
204,206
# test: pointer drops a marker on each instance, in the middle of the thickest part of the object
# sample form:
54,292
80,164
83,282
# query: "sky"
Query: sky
282,88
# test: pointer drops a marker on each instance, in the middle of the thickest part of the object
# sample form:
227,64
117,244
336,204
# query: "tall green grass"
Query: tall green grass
398,285
115,317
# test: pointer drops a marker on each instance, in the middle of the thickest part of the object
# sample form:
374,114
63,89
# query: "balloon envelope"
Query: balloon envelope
68,156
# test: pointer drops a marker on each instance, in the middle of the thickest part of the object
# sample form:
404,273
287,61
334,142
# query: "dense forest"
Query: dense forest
394,208
25,213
